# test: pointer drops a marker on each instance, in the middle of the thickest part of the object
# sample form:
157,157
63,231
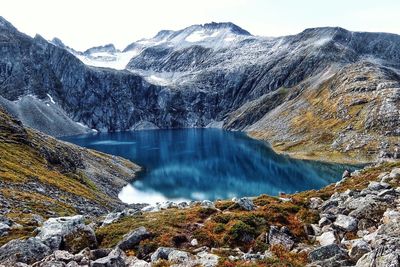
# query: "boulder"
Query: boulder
161,253
245,203
133,238
206,259
116,258
395,173
328,238
25,251
62,255
281,237
53,263
135,262
327,252
67,232
315,203
4,228
207,204
180,257
358,249
324,222
379,258
112,217
346,223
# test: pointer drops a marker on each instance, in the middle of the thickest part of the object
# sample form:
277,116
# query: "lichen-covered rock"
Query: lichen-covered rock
281,237
346,223
245,203
69,233
327,252
161,253
133,238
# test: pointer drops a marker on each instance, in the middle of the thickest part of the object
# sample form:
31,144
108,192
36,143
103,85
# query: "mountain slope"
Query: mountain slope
324,91
48,177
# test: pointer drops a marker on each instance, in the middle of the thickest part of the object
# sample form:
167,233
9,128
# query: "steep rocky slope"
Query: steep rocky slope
324,93
43,176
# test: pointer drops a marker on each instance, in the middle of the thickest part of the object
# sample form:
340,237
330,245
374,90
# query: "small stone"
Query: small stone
194,242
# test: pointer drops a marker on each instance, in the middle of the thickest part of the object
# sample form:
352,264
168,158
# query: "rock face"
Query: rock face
217,72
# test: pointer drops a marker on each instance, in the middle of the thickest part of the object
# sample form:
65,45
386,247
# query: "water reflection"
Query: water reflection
188,164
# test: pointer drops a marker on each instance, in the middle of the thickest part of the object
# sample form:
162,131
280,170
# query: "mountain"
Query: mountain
325,93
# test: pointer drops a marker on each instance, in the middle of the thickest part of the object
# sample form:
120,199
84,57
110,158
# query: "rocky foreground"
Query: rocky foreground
355,222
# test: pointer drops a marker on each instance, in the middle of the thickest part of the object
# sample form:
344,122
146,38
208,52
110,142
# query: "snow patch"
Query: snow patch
116,61
198,36
51,99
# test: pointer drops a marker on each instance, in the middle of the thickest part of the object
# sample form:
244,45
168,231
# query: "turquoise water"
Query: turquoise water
194,164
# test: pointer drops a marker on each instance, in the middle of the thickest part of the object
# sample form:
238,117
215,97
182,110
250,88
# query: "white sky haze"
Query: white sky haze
85,23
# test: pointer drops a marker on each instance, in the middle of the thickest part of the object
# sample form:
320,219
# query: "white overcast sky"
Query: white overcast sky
85,23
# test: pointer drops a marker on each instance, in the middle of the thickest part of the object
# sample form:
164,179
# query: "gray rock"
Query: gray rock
206,259
346,223
328,238
207,204
315,203
135,262
116,258
358,249
133,238
67,233
245,203
25,251
327,252
62,255
281,237
53,264
180,257
161,253
112,217
4,228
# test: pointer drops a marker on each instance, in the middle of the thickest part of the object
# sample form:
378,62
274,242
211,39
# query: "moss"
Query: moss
241,232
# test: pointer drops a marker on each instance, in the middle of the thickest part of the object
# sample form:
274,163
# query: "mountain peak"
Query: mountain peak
5,24
103,48
225,25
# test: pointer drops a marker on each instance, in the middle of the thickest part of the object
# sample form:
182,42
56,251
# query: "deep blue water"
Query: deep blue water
207,164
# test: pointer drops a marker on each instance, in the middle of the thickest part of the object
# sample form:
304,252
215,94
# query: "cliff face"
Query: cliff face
321,92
